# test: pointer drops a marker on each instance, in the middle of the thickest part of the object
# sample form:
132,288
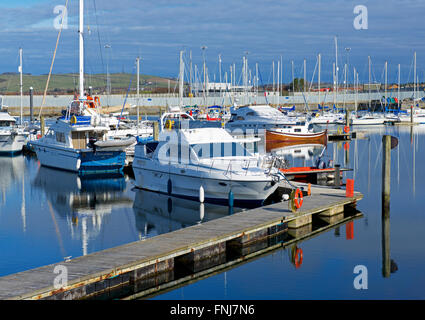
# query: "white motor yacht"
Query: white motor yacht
203,164
79,146
12,136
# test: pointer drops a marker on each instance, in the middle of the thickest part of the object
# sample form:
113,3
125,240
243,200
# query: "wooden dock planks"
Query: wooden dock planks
38,283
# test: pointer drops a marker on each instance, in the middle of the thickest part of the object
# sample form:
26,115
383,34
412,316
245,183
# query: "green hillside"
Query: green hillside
68,83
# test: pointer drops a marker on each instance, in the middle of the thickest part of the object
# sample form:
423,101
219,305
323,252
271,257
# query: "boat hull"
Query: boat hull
276,140
247,193
11,144
82,162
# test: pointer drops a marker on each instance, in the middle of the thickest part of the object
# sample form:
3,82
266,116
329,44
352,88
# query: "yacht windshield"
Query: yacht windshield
220,150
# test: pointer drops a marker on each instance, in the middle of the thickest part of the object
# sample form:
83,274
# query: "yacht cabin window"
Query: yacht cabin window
6,123
219,150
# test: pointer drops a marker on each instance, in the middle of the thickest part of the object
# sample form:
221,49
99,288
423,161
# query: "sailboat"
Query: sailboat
13,136
79,143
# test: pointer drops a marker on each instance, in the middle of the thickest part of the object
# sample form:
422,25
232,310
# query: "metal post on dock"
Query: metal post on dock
337,176
155,130
347,119
31,104
388,266
386,172
42,125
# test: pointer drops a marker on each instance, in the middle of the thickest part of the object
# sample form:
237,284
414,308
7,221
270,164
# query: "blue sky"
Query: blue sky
158,30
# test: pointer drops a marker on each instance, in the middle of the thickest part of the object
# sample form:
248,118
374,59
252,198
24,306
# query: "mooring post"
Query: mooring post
155,131
337,176
386,172
42,125
31,104
347,119
386,183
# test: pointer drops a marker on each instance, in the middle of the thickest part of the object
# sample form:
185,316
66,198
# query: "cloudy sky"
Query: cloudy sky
157,30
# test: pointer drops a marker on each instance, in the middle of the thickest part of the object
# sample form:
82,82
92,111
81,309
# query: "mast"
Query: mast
21,82
414,75
398,90
355,89
138,92
191,76
386,81
81,33
336,65
278,82
318,77
305,75
345,84
181,79
333,73
293,79
370,102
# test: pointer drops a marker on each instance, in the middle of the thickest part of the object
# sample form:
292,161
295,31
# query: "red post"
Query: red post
349,188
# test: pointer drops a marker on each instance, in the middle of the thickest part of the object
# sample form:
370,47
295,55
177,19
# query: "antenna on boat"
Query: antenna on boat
21,85
81,36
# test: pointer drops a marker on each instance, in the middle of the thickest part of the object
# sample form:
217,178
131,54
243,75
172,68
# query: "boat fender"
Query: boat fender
201,194
231,198
298,199
169,187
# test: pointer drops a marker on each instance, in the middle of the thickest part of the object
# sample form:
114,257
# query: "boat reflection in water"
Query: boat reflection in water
83,201
299,151
11,170
158,213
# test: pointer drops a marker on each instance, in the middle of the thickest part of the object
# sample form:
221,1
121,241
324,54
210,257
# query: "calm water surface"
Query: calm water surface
47,215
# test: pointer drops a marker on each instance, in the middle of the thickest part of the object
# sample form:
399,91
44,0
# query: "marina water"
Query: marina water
47,216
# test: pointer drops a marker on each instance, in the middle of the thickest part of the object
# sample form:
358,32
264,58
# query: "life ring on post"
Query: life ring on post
298,198
169,124
73,120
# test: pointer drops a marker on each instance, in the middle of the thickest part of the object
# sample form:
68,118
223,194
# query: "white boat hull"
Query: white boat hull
56,157
10,144
216,190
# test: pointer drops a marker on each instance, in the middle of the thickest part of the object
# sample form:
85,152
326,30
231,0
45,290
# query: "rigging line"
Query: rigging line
261,81
98,36
53,61
125,100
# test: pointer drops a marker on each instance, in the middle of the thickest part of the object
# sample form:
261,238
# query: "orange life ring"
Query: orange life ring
298,199
346,129
298,258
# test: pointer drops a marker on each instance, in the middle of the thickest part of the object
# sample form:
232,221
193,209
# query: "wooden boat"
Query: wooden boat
277,139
